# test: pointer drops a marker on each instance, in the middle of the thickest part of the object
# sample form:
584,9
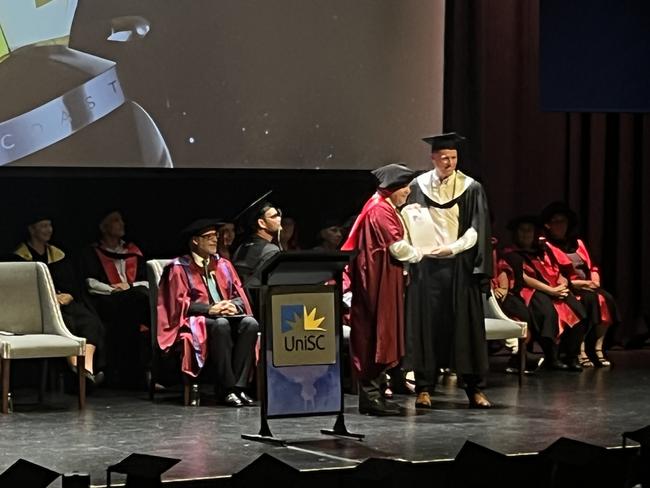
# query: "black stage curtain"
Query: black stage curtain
599,163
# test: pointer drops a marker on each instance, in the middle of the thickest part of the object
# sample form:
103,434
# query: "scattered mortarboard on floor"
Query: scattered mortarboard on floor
642,436
382,472
475,465
27,475
247,218
577,463
142,470
639,467
266,470
575,453
449,140
394,175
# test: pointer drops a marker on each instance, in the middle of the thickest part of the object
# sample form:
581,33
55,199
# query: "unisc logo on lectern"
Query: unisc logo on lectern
305,335
300,329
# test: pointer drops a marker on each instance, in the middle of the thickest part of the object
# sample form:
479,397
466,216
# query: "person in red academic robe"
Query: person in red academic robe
503,285
114,272
203,308
376,279
584,277
557,317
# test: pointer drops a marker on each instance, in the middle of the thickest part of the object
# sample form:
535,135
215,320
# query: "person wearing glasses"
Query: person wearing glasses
203,307
263,223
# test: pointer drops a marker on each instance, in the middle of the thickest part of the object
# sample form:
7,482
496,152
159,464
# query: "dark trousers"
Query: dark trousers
231,342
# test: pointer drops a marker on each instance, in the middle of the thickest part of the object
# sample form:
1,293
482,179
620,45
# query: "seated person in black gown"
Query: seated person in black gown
78,315
262,222
115,275
330,235
203,309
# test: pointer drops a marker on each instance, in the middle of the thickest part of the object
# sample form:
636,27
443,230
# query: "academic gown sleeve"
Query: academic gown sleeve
175,325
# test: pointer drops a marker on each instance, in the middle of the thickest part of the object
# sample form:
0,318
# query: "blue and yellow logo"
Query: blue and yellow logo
296,317
303,330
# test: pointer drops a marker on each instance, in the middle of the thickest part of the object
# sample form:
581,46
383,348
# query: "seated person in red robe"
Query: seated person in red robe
203,308
556,315
376,279
511,303
79,317
577,266
115,275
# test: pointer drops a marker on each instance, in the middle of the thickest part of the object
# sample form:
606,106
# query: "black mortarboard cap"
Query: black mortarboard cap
449,140
198,225
640,467
142,470
522,219
248,217
326,222
27,474
382,472
37,215
394,175
575,453
642,436
474,461
266,470
578,463
103,212
477,465
556,208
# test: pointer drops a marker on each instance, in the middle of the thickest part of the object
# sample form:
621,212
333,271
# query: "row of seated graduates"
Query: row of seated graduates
104,296
110,306
546,277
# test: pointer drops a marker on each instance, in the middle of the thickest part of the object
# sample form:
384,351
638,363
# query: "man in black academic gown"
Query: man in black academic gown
444,308
262,222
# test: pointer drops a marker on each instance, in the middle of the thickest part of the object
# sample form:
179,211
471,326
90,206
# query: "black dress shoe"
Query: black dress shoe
556,365
378,407
232,400
245,399
95,379
573,364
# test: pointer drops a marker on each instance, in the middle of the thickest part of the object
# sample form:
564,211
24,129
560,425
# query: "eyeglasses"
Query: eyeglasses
278,213
211,236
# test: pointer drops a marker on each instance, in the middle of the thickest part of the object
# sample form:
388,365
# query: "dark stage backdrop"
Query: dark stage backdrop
599,163
329,84
157,204
594,55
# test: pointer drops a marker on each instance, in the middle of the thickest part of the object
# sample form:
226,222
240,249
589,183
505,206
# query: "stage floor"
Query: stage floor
595,406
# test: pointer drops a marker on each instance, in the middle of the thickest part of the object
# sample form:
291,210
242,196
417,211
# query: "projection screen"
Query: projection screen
331,84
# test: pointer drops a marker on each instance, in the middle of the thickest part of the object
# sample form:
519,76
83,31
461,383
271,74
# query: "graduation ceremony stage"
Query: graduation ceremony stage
595,406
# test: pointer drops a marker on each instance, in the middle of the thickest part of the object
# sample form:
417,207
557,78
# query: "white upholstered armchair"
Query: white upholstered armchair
31,325
499,326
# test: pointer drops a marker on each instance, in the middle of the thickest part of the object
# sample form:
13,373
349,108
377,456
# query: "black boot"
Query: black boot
372,403
551,360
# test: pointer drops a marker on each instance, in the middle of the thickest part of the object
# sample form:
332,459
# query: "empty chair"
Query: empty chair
31,325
